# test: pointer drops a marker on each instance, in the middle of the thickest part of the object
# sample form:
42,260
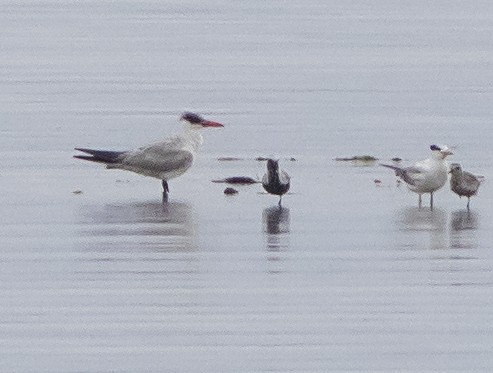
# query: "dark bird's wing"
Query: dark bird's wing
470,181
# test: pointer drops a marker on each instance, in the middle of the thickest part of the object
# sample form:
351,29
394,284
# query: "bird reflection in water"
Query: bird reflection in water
434,221
141,225
464,220
276,221
463,223
454,231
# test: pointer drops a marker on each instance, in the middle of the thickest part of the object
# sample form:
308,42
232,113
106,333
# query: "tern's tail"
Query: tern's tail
395,168
398,171
101,156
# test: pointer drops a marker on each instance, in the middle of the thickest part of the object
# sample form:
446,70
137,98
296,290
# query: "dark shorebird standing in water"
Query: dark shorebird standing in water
275,181
426,176
164,160
463,183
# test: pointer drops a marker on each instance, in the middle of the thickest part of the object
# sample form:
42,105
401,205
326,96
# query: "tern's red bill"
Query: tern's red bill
209,123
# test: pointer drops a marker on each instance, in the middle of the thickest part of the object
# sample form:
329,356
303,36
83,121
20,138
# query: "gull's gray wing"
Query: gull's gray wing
284,177
470,181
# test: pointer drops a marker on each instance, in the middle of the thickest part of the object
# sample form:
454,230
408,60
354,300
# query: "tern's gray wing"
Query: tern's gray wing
411,175
158,159
164,160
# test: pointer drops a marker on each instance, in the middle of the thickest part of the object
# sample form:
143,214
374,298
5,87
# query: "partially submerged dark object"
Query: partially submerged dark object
358,158
230,191
245,180
262,159
228,159
396,159
259,159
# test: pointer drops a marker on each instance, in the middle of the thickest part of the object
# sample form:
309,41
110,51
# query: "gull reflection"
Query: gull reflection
463,223
464,220
276,222
140,225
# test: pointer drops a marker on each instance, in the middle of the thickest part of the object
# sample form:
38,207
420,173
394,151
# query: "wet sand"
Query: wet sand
347,275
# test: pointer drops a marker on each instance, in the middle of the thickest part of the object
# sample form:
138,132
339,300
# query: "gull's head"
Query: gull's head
455,169
272,165
440,151
196,121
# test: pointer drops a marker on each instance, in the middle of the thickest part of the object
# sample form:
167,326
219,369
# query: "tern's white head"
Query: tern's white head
195,121
440,151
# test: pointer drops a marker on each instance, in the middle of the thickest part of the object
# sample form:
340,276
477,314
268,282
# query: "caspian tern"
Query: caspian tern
463,183
426,176
164,160
275,181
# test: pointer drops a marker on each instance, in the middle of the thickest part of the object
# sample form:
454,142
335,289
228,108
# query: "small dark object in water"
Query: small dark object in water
261,159
230,191
237,180
227,159
360,158
78,191
293,159
377,181
396,159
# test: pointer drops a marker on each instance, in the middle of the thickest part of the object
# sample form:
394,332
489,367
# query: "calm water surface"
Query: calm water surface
348,275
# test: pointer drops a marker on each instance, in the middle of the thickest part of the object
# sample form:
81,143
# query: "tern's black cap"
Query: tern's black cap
192,117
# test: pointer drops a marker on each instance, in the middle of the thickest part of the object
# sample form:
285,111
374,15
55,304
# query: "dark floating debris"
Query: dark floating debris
259,159
262,159
230,191
237,180
228,159
358,158
78,191
377,181
396,159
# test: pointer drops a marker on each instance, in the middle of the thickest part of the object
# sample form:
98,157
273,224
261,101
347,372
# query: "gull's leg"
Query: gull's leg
280,198
419,201
431,200
165,191
468,200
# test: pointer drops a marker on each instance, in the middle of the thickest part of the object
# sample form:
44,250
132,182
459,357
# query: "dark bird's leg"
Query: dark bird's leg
419,201
431,200
280,199
468,200
165,191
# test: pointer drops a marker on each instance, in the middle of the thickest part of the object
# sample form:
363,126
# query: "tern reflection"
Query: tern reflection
413,219
276,222
151,225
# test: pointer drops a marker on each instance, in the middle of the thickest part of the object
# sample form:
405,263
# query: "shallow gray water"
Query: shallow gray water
347,276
